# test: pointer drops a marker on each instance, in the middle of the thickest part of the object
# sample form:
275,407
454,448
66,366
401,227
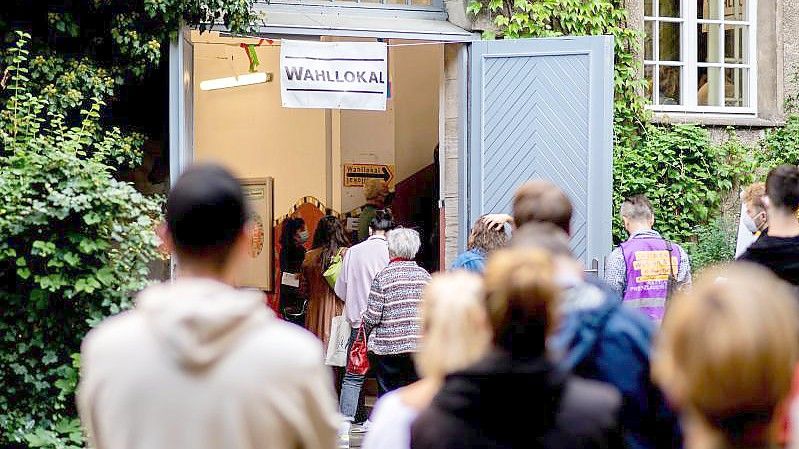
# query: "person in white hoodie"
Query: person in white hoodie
199,364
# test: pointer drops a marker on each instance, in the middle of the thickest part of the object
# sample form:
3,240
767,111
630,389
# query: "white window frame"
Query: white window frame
689,58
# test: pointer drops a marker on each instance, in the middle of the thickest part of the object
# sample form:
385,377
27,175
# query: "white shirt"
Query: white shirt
391,422
362,262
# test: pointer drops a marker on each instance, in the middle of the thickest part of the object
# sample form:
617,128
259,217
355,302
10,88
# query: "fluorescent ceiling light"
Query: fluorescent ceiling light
235,81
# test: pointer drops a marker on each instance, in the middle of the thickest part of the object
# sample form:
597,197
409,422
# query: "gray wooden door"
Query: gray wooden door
542,109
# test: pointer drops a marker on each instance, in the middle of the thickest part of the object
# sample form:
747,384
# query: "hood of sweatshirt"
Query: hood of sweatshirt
480,396
199,320
780,254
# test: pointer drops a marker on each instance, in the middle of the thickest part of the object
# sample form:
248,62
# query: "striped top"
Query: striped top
392,318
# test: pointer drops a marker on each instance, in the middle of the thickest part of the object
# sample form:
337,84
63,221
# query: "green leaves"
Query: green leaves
684,174
474,7
65,434
75,243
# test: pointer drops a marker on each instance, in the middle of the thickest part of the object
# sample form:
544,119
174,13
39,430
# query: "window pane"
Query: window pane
708,82
669,41
648,8
736,87
669,82
649,35
708,39
736,44
735,9
649,70
708,9
669,8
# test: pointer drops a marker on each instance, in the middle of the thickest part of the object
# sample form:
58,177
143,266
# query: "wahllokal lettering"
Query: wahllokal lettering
348,76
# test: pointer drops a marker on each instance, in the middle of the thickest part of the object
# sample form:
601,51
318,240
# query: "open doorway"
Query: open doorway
306,151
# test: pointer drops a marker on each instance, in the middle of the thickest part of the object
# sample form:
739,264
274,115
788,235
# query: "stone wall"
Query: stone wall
450,151
788,24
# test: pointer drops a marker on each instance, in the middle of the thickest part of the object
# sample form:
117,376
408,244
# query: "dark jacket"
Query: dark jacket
504,403
368,213
778,254
611,343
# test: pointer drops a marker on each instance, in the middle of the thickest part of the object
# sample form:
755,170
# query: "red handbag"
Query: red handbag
357,359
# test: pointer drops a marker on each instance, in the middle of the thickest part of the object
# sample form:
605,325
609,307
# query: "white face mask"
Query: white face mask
749,222
303,236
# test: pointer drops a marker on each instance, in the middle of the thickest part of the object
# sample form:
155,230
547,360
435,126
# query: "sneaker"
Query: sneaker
361,428
343,432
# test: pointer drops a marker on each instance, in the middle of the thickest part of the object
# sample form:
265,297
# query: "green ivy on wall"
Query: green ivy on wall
684,174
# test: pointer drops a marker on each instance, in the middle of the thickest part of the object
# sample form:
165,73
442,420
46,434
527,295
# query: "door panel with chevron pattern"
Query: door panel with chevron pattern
542,109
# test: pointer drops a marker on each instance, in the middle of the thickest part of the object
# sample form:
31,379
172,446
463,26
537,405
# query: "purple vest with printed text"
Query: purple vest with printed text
648,272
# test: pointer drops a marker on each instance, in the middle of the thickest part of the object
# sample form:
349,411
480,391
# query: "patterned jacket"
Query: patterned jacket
392,320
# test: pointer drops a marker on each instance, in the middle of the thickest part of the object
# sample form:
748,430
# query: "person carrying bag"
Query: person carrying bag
357,359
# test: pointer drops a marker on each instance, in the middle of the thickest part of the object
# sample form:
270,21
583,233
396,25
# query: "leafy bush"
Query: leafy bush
74,244
781,145
715,243
684,174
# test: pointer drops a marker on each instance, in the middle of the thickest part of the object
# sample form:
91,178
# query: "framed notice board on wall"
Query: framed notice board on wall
259,194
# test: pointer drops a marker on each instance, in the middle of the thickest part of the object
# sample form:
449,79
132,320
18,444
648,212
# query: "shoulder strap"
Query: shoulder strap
598,325
669,248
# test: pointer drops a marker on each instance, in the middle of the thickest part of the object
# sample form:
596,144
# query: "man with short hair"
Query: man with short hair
536,201
198,363
543,202
644,268
778,247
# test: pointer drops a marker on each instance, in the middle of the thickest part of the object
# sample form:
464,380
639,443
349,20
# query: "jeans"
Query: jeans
351,386
393,371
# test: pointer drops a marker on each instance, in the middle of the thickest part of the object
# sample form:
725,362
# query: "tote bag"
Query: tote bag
336,354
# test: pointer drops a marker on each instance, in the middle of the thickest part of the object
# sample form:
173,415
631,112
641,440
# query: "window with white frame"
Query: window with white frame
699,55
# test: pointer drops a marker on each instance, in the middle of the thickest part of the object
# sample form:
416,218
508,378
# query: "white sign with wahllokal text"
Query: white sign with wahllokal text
335,75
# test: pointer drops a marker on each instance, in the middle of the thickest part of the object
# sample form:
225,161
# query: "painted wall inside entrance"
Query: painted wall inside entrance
417,73
247,129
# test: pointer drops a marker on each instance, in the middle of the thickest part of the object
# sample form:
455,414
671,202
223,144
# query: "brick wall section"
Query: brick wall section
450,148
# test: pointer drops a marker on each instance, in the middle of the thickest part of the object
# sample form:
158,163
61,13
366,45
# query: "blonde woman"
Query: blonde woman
455,334
725,357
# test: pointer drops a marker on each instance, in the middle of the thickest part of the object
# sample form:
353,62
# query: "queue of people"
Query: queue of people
516,346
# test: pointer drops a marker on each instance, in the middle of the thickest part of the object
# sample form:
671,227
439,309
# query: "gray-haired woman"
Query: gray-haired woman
392,319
